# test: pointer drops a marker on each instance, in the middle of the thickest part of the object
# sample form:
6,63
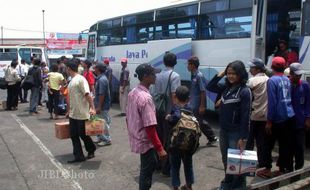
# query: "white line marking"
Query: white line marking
64,172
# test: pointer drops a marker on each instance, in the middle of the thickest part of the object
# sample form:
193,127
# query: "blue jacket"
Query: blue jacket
301,102
280,106
235,109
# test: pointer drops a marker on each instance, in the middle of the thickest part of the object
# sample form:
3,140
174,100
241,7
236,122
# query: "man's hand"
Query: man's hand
162,154
122,90
241,144
168,116
307,123
92,111
98,110
268,128
202,110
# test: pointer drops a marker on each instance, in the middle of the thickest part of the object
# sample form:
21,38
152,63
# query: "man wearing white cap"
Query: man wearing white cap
258,86
300,91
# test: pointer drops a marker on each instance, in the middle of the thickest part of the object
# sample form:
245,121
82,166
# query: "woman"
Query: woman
12,77
234,115
55,80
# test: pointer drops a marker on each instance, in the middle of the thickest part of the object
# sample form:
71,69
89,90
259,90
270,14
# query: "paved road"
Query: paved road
32,158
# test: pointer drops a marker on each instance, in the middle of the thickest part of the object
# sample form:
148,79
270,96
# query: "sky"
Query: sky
24,18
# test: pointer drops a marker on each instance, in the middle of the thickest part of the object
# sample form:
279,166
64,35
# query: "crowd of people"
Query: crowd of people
259,109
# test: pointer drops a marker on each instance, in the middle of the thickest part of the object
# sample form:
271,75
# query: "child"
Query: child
176,155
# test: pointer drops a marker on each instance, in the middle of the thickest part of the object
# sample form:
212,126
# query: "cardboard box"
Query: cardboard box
62,130
94,127
244,163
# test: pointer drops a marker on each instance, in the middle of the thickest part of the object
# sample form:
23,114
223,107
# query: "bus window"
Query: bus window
8,54
91,47
25,53
306,19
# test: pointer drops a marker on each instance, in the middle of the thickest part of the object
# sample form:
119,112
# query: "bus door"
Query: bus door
91,46
304,51
258,35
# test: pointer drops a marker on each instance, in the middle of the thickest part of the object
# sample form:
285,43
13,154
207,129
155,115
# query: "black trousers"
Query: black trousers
299,147
77,131
12,96
258,134
204,126
53,101
148,162
163,132
283,133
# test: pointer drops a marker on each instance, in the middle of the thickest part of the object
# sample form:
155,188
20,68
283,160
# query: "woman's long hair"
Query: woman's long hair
239,68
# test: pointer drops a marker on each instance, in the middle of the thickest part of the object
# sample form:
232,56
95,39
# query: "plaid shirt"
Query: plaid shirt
140,114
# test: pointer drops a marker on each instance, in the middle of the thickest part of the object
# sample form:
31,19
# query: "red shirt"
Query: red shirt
89,77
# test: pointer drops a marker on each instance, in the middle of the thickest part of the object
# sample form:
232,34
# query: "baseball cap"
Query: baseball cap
296,69
256,62
106,61
146,69
278,62
124,60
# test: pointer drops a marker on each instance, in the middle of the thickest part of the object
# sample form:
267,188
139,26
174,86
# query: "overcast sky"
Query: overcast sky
24,18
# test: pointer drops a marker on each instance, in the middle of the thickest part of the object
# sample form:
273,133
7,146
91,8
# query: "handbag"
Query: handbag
3,83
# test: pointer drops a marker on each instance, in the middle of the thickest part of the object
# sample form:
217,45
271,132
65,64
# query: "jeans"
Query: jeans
148,163
175,159
106,135
77,131
204,126
229,139
123,98
34,98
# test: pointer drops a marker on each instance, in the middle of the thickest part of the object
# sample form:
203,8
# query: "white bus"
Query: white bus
217,31
8,53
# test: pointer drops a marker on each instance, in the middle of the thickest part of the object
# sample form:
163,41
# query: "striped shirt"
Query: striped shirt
140,114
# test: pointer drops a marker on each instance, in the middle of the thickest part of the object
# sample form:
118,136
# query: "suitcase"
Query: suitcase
62,130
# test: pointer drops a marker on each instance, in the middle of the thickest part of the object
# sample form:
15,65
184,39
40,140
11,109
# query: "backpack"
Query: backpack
161,100
28,82
185,134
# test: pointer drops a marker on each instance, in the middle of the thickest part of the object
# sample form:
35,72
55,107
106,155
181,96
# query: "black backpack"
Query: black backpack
186,133
28,82
161,100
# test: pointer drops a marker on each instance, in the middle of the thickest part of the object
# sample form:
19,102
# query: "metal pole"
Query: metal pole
2,35
43,28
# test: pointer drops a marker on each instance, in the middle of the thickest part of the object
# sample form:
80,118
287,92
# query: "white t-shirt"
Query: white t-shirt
79,106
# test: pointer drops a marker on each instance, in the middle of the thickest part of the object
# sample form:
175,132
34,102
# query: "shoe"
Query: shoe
76,160
212,142
104,143
277,173
97,140
265,173
184,187
90,155
122,114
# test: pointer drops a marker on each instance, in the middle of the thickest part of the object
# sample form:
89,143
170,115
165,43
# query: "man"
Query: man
280,116
198,98
141,125
22,69
124,86
80,107
102,103
258,86
62,66
166,77
35,71
301,105
108,74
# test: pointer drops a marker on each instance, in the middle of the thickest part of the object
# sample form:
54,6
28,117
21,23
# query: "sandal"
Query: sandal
277,173
265,173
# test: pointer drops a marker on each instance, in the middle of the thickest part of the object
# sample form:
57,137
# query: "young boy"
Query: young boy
176,155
